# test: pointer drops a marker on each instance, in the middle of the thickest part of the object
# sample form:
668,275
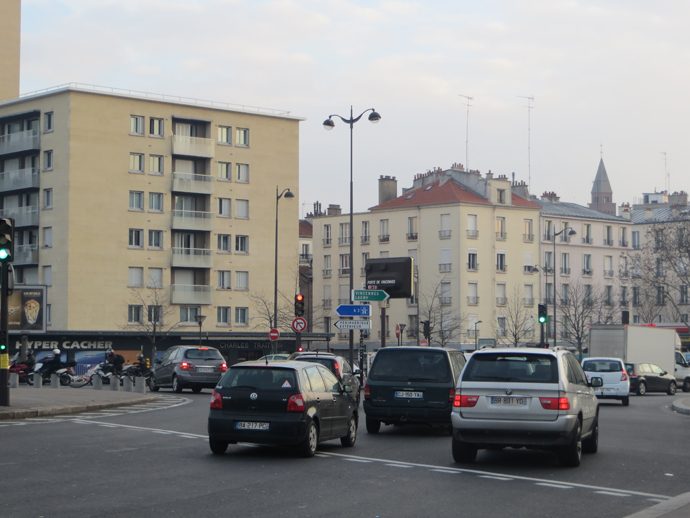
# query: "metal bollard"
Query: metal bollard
127,384
37,379
14,380
54,381
114,383
140,384
97,383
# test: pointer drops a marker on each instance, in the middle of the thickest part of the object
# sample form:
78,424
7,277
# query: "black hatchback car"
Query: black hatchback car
334,363
411,385
288,403
648,377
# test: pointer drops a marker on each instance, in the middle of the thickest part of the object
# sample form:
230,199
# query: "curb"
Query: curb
681,407
70,409
674,507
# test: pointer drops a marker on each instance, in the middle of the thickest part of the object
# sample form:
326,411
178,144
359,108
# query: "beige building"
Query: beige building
10,25
133,209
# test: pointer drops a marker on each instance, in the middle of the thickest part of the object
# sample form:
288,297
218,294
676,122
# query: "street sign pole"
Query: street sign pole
4,336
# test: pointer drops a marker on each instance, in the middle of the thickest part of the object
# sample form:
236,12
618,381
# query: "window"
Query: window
155,239
189,313
156,201
500,228
242,173
243,137
444,293
565,293
501,262
344,233
501,196
48,237
225,171
624,295
565,263
444,231
241,280
344,264
683,294
444,261
48,198
136,238
223,315
49,314
136,124
155,278
472,260
384,236
156,127
608,295
135,277
242,316
412,228
365,232
587,264
501,324
134,312
242,244
224,207
501,298
154,314
136,162
224,279
242,209
660,296
48,160
326,266
136,200
156,164
529,230
636,296
528,299
473,293
472,231
48,122
636,239
48,275
224,134
224,243
548,230
588,295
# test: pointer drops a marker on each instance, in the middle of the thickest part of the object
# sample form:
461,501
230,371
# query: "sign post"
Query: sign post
274,334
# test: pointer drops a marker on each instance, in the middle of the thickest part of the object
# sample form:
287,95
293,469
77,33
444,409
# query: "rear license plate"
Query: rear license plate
408,394
252,425
508,401
204,369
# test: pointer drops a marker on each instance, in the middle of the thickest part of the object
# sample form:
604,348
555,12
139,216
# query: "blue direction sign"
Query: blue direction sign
353,310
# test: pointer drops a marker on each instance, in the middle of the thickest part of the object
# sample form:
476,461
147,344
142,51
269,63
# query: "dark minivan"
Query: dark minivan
411,385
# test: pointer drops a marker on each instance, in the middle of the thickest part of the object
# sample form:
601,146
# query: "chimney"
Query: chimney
388,188
550,196
334,210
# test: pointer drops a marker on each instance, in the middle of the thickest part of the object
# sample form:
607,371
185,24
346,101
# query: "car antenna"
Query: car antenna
266,359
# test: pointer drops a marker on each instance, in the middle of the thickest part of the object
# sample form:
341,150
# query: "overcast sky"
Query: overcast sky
611,75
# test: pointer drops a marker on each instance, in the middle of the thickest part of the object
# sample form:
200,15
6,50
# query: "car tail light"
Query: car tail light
336,367
186,366
555,403
624,376
202,348
216,401
464,400
451,395
295,403
367,391
223,367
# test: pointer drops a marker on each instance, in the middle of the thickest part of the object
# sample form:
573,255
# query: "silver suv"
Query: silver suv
525,398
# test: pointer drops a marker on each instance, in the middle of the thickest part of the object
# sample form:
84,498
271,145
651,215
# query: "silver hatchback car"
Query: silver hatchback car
525,398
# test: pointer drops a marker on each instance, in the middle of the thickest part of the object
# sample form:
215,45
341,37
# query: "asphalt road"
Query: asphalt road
149,460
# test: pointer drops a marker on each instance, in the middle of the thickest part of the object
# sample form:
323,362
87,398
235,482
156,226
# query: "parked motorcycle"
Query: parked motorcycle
65,373
24,371
138,370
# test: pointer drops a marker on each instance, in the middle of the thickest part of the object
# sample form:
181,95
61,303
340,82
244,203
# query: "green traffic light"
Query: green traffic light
4,253
3,348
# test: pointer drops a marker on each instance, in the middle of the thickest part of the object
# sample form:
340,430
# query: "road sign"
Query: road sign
299,324
353,310
353,324
273,334
369,295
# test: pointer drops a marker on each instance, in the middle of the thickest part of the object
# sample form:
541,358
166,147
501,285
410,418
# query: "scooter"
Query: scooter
23,369
65,374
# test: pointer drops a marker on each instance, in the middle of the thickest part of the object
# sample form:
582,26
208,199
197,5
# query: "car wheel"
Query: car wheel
176,385
373,425
672,389
351,436
686,385
625,401
463,452
571,455
217,447
308,446
641,389
151,382
196,390
591,443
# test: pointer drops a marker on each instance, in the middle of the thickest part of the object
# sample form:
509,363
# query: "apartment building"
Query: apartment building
10,27
136,209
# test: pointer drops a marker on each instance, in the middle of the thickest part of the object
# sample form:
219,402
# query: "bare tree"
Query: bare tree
445,325
586,304
158,318
519,320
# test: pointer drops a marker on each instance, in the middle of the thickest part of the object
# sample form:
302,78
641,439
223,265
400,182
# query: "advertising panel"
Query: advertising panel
391,274
26,309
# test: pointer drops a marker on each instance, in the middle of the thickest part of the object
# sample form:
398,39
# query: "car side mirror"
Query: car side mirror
596,381
664,373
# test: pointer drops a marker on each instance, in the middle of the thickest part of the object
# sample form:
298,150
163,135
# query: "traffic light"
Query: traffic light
6,240
3,348
299,305
543,315
426,327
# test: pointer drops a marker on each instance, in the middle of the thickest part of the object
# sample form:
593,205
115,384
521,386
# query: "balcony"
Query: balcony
528,268
608,273
365,240
444,267
192,220
384,238
501,268
23,216
343,240
412,236
501,301
191,257
608,242
193,146
501,236
624,274
548,236
20,141
25,254
190,294
305,259
472,234
444,234
192,183
343,272
18,179
326,241
326,273
445,301
528,238
472,267
586,271
472,301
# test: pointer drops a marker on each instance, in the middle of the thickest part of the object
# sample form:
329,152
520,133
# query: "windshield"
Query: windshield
523,368
412,365
602,366
203,354
259,378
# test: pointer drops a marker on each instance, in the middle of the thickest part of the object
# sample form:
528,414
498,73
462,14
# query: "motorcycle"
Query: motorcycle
24,371
65,374
137,370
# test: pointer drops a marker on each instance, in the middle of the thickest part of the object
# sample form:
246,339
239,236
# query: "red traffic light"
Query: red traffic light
299,297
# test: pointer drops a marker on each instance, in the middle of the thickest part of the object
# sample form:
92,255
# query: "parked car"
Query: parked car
615,377
338,365
276,356
411,385
648,377
188,366
291,403
525,398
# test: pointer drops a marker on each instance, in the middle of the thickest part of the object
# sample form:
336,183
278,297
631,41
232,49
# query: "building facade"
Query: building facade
10,26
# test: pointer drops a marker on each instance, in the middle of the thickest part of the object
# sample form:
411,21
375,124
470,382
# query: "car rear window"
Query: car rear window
203,354
259,378
630,367
414,365
326,362
523,368
601,366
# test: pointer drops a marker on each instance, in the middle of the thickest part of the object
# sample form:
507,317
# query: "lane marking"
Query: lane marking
450,472
612,493
557,486
142,428
493,477
394,465
355,460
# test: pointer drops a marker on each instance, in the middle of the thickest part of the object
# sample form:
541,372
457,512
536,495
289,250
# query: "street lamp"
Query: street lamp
329,124
286,193
570,232
200,320
476,336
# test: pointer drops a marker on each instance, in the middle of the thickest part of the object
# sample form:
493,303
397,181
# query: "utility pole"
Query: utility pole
530,107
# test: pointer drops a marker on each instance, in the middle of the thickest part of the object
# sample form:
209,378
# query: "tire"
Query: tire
591,443
463,452
571,455
196,390
151,382
308,447
217,447
686,385
176,385
348,440
626,401
641,388
65,380
672,389
373,425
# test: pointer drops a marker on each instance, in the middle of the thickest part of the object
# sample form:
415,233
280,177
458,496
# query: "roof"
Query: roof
659,215
305,228
573,210
601,180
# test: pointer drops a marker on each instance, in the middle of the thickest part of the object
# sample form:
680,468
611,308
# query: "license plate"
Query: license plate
408,394
252,425
204,369
508,401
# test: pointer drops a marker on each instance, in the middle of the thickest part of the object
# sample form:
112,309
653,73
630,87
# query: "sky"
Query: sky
608,78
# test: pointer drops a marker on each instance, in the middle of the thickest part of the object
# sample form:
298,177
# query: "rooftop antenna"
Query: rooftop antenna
667,175
530,106
467,130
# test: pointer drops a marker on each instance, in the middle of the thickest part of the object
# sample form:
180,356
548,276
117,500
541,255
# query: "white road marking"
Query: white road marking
395,465
612,493
557,486
356,460
450,472
493,477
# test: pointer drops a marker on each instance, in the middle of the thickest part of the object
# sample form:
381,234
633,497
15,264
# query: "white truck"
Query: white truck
641,344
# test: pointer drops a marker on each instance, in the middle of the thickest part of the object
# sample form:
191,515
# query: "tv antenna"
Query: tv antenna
467,130
667,175
530,106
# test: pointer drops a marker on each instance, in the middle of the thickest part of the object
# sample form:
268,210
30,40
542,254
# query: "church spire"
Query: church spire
602,194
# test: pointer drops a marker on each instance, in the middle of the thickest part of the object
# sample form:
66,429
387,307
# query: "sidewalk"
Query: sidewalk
682,406
39,402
